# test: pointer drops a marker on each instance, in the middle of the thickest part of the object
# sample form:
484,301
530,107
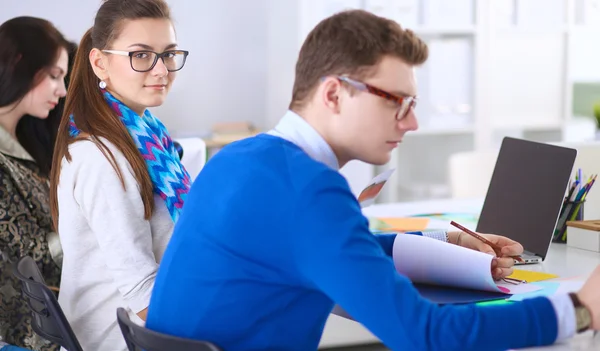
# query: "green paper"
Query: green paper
494,302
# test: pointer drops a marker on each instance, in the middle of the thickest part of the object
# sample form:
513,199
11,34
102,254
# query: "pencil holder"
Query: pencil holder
571,211
577,210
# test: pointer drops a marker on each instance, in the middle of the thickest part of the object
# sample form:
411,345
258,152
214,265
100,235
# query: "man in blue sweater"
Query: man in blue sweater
271,237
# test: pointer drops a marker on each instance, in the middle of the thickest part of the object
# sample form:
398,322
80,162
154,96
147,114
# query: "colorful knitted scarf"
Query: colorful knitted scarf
170,179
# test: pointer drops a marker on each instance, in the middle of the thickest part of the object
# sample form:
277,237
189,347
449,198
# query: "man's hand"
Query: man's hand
502,265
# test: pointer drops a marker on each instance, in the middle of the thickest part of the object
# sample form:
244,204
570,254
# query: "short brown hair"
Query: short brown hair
351,42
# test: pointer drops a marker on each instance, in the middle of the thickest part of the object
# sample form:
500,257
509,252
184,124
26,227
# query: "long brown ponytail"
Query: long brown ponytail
91,113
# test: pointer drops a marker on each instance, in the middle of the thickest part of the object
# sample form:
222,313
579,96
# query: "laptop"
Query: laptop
525,194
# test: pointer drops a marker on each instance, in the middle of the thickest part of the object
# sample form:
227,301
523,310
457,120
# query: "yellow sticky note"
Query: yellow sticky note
530,276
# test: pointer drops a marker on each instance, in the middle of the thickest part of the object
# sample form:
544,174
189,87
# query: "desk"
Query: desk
561,260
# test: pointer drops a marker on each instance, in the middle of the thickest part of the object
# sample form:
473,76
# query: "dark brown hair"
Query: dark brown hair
29,47
38,136
85,101
351,42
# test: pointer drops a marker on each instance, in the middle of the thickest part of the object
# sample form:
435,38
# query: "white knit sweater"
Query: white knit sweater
110,252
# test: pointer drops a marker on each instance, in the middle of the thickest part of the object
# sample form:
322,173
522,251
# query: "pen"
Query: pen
496,248
514,281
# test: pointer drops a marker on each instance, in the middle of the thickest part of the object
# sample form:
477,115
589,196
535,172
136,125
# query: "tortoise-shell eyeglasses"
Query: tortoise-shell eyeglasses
404,103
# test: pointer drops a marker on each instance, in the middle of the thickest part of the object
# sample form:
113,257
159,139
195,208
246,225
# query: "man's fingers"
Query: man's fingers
512,250
507,271
499,273
485,248
505,262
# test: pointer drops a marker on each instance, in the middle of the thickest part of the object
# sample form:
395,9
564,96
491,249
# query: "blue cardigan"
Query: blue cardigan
269,239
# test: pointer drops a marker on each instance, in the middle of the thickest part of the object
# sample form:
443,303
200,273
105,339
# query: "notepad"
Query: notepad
370,192
400,224
531,276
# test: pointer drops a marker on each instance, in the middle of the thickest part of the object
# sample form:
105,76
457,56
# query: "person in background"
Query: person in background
34,65
271,236
117,183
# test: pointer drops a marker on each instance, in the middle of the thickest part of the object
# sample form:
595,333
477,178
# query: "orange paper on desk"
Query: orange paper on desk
404,224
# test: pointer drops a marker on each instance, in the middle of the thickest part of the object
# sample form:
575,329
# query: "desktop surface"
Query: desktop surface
564,261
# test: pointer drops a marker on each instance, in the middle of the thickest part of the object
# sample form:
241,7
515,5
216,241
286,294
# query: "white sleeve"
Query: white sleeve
440,235
116,217
565,315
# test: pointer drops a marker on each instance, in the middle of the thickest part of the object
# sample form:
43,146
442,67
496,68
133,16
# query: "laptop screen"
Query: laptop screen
526,192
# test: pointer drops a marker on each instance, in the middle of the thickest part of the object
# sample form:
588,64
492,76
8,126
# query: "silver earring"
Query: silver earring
102,84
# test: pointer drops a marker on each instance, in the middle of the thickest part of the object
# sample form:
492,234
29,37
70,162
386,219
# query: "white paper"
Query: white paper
430,261
567,286
370,192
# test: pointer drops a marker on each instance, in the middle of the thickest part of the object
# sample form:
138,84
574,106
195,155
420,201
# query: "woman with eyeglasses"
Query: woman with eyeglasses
117,183
34,65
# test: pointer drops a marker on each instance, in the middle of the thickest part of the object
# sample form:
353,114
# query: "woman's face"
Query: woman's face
40,100
139,90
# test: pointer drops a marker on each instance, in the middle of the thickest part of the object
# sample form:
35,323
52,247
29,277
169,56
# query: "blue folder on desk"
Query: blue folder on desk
446,295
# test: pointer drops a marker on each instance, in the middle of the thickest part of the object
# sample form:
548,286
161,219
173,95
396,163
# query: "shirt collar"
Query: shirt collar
296,130
10,146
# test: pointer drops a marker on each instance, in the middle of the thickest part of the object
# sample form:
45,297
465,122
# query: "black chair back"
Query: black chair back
48,319
140,338
179,149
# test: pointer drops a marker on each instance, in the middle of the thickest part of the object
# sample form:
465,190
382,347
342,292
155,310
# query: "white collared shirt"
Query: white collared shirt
296,130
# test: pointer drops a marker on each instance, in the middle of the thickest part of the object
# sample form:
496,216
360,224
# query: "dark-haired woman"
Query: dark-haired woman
34,61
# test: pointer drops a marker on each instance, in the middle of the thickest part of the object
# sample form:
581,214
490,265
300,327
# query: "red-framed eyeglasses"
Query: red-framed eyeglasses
405,103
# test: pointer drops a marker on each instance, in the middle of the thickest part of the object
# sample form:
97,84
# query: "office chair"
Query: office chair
48,319
140,338
179,149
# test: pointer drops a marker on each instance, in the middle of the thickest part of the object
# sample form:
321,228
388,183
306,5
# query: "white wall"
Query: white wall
283,46
225,76
72,23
